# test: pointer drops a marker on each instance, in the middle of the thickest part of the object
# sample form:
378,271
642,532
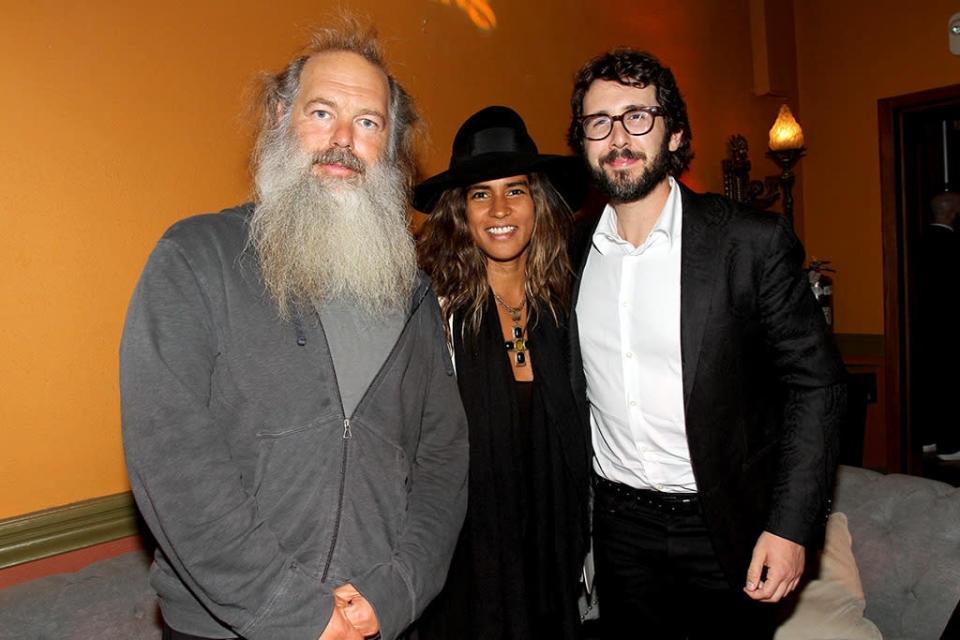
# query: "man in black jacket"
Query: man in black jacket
713,388
938,313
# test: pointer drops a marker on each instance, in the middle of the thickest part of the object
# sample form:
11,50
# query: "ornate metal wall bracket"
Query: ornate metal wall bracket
737,184
785,159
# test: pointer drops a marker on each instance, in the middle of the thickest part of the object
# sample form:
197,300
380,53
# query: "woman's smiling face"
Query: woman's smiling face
500,214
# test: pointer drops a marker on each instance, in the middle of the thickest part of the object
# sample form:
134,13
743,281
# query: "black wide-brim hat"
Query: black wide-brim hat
494,143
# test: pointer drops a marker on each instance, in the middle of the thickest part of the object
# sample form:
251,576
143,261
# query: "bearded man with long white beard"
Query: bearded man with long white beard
292,428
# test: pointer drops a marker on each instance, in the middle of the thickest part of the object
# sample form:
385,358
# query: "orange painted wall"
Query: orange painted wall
849,55
118,118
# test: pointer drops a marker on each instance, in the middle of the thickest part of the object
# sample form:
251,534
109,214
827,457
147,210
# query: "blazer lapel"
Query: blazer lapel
579,252
702,224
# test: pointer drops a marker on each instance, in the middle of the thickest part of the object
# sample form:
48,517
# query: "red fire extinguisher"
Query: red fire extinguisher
822,286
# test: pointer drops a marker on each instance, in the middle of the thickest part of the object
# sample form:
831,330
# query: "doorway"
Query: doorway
919,158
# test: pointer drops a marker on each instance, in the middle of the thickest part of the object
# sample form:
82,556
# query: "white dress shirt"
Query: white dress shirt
628,314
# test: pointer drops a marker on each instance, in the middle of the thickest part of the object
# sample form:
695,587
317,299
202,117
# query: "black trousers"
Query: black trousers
658,576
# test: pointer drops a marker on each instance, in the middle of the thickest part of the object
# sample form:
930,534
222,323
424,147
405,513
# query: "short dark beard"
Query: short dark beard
620,188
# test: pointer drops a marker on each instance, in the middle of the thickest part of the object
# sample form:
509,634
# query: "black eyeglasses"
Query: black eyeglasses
636,122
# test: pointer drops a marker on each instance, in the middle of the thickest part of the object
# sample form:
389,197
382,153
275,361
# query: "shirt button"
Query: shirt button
629,355
633,403
659,487
626,304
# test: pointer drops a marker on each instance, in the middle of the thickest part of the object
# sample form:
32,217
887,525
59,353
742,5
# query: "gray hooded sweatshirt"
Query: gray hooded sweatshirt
262,495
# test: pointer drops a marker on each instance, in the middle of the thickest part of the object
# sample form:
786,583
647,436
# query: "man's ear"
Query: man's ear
675,140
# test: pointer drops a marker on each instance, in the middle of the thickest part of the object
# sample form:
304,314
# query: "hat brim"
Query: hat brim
566,173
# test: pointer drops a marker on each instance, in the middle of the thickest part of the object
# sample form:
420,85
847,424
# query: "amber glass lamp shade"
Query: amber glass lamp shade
786,132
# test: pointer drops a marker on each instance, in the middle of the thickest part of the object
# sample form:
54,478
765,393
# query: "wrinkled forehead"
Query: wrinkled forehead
346,76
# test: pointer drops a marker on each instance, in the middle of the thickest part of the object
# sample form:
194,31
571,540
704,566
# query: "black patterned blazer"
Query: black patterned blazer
763,383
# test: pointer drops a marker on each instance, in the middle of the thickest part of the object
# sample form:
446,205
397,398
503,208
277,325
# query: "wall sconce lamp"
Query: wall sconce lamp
786,147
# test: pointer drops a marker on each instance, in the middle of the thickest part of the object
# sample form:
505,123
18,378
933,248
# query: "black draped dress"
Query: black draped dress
515,572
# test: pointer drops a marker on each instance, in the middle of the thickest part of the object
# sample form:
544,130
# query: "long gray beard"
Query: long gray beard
318,239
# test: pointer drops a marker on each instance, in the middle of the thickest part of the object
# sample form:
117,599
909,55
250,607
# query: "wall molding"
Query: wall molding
860,345
50,532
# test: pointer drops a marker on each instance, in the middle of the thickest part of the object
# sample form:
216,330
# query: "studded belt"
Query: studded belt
673,503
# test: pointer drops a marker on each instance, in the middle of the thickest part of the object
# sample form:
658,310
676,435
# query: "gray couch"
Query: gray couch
906,540
108,600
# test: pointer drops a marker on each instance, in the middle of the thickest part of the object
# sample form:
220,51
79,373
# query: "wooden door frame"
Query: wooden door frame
889,111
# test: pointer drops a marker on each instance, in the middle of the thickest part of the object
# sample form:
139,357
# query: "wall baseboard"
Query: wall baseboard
50,532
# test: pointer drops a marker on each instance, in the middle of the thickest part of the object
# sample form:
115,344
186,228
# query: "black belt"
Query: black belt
674,503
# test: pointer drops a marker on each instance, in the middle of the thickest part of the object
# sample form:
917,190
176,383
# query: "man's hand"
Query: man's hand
357,610
783,560
340,627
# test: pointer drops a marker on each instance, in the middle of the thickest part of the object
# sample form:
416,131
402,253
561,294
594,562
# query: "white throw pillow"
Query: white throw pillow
830,607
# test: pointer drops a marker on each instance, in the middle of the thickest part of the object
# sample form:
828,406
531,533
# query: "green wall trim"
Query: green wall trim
861,345
50,532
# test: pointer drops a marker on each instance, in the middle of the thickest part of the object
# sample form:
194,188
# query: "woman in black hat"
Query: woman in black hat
495,245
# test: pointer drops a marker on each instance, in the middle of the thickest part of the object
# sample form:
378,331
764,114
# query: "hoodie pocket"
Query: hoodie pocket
375,508
297,484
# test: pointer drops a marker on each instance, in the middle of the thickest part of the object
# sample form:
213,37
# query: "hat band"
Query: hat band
492,140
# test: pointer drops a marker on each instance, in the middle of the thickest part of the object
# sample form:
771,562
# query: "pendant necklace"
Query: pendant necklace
518,346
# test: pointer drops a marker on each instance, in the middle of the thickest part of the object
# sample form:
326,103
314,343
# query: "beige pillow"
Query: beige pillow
830,607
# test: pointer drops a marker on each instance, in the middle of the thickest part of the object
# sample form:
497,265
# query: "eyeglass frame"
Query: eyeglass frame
653,110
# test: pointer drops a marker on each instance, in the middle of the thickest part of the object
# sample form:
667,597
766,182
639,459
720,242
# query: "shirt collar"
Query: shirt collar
606,237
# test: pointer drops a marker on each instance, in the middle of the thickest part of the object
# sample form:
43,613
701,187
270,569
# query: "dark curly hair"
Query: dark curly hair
637,69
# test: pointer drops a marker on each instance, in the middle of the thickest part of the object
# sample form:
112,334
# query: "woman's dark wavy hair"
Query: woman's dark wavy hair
458,268
637,69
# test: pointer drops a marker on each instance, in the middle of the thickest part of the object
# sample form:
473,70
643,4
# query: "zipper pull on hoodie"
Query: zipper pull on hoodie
298,327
